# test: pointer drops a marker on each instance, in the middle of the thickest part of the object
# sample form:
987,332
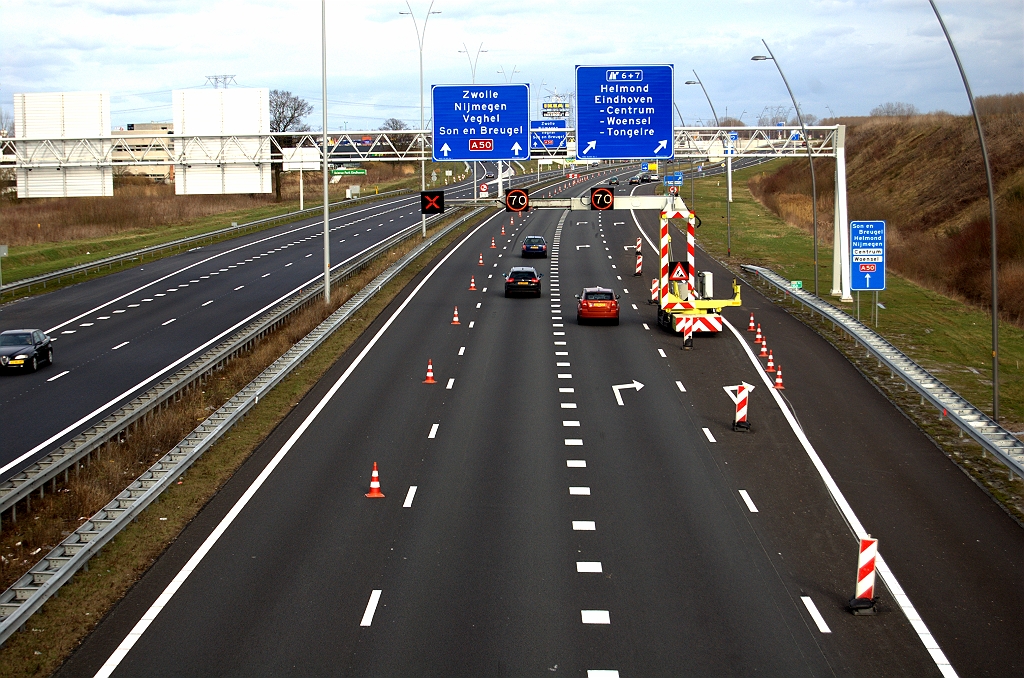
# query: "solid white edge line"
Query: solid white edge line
371,608
133,636
812,609
748,501
409,496
930,644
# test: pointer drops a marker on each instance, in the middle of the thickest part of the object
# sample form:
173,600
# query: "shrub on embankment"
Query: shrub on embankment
924,176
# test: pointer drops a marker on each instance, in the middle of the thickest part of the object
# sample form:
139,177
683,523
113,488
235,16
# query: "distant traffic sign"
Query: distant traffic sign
548,134
481,122
867,255
602,198
517,200
624,112
432,202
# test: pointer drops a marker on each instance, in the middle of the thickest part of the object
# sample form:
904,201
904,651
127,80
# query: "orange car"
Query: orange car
597,303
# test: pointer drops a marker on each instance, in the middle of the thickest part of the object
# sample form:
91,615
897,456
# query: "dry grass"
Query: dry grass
924,177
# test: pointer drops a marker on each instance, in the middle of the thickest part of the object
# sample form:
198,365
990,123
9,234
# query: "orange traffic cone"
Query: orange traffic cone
757,337
472,283
771,363
503,229
430,373
778,378
750,327
455,318
493,246
481,262
764,348
375,484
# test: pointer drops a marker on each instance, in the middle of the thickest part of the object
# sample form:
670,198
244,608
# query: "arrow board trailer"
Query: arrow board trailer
481,122
624,112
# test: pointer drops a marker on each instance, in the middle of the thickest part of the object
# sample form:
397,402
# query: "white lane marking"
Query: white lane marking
287,265
574,442
930,644
123,343
58,376
646,327
588,566
307,256
559,343
238,288
133,636
625,291
409,496
562,365
618,277
451,382
561,353
558,334
264,275
462,349
478,304
133,305
433,431
580,491
661,352
748,501
471,323
602,673
484,289
565,376
119,311
576,463
584,525
568,406
634,307
680,386
168,322
371,607
107,317
87,324
208,302
570,422
812,609
595,616
707,433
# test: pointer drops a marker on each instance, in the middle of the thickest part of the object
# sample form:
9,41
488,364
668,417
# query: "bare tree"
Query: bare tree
400,141
286,114
896,109
771,115
6,123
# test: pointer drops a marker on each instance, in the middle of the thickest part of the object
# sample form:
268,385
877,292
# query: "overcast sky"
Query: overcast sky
843,55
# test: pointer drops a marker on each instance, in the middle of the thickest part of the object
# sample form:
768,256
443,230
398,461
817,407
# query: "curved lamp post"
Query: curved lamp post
810,159
698,82
473,61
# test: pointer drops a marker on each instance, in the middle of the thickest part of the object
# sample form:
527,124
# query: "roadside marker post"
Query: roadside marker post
740,395
639,264
654,291
864,599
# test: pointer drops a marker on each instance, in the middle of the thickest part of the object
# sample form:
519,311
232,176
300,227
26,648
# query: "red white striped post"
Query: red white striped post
740,395
638,241
654,290
691,248
639,264
864,599
687,333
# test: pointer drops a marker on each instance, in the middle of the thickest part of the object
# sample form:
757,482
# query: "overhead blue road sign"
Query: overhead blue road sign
624,112
643,167
481,122
548,135
867,255
547,124
673,180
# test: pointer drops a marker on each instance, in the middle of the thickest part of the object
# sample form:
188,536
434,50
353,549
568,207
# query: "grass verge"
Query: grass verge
64,621
947,337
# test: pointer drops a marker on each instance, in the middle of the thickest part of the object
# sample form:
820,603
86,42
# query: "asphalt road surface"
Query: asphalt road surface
534,526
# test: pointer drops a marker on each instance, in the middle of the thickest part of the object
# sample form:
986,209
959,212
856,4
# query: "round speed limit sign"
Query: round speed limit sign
517,200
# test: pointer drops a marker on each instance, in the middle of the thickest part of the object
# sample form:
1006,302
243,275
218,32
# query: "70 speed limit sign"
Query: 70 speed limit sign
517,200
602,198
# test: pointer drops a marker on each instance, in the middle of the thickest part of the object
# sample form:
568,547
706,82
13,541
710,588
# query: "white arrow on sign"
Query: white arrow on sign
867,280
579,246
516,147
591,145
661,144
445,149
618,396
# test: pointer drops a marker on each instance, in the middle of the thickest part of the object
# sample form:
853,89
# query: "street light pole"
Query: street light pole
810,158
419,39
473,61
991,218
327,202
728,169
698,82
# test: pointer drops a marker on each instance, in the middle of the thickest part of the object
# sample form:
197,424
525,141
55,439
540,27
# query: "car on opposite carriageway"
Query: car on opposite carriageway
614,181
24,350
523,280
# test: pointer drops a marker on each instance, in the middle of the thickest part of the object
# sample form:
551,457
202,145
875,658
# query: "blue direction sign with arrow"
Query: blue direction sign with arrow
481,122
867,255
624,112
548,134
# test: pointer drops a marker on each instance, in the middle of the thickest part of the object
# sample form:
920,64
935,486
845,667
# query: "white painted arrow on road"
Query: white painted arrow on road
444,149
618,396
579,246
591,146
661,144
516,147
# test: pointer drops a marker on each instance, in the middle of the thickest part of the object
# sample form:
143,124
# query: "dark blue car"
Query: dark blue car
535,246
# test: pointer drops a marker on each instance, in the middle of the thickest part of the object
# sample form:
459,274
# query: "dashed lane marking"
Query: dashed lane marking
580,491
661,352
433,431
478,304
451,382
462,349
409,496
371,607
595,616
707,433
680,386
121,345
471,324
574,442
169,321
646,327
602,673
812,609
588,566
568,406
570,423
565,376
238,288
576,463
58,376
584,525
208,303
748,501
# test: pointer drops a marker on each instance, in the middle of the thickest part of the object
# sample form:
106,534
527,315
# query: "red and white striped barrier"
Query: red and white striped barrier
639,264
654,290
863,601
638,242
699,323
740,395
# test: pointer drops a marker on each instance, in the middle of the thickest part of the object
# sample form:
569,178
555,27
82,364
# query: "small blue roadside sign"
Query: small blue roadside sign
481,122
548,135
644,166
734,136
867,255
624,112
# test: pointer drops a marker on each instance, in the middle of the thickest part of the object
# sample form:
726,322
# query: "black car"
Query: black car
614,181
645,178
535,246
523,279
635,179
24,350
489,175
